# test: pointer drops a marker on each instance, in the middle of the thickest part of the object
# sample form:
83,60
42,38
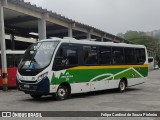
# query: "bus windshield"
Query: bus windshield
38,56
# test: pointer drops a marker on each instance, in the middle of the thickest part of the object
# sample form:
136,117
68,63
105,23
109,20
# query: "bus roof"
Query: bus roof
89,42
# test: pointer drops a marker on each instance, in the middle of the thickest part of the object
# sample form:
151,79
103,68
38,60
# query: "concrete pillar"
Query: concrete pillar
70,32
3,2
3,50
42,29
89,35
102,39
12,42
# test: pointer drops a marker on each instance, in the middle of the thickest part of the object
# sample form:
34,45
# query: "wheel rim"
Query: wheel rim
61,92
122,86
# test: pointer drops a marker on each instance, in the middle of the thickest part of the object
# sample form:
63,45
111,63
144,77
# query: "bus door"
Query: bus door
92,73
101,57
68,59
11,70
12,63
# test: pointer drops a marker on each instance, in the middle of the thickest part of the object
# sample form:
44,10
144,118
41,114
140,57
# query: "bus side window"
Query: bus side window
105,56
118,56
90,55
140,55
71,57
66,57
129,55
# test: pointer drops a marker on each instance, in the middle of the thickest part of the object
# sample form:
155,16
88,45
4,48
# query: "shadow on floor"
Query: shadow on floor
50,98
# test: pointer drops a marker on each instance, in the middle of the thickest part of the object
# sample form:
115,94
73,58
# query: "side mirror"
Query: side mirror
150,60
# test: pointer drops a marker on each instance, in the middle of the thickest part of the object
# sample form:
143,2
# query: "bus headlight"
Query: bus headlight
42,76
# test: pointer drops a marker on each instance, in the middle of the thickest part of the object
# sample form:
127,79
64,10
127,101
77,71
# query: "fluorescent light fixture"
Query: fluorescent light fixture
33,33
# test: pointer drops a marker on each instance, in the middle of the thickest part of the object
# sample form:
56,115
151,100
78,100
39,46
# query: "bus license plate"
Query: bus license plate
26,86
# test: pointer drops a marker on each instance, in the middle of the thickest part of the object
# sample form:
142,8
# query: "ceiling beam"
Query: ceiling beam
19,19
19,33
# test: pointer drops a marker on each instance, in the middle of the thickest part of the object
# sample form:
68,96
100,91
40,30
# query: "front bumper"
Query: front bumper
41,87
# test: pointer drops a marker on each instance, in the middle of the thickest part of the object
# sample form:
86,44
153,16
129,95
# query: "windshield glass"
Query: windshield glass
38,55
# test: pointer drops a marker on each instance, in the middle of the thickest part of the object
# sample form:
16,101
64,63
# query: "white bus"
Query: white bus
67,66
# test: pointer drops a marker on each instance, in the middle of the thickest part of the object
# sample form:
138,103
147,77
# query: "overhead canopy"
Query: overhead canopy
21,19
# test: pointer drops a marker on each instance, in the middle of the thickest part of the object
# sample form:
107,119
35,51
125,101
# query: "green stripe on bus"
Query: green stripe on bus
87,75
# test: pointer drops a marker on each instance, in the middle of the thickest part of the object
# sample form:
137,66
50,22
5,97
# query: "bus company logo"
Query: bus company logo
67,76
6,114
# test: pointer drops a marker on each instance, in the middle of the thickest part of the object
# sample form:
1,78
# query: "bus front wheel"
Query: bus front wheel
122,86
62,92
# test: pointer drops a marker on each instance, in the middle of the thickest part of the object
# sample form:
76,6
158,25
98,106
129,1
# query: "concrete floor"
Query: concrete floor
144,97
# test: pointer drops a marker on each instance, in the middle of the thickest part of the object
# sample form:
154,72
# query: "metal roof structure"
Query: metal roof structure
21,18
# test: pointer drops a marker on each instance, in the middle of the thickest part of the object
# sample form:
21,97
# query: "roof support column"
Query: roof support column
89,34
3,49
102,37
70,31
42,29
12,42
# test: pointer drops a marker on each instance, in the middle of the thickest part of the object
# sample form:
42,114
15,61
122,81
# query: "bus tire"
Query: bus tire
35,96
122,85
62,93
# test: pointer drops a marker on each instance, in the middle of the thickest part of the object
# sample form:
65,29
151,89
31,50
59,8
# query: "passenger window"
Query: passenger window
129,55
117,54
71,57
140,55
66,57
105,56
90,55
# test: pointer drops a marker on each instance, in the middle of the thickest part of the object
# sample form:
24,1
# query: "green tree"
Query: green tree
143,39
